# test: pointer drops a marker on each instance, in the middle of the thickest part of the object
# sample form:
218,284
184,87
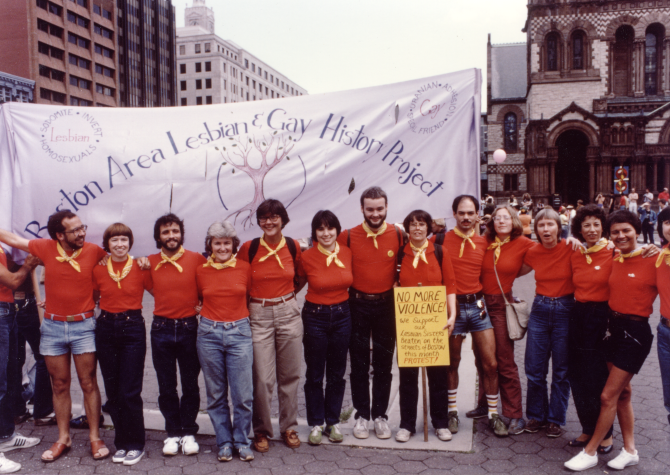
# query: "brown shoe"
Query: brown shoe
261,443
290,438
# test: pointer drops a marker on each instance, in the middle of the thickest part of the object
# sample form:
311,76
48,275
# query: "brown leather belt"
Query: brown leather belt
469,298
273,302
626,316
80,317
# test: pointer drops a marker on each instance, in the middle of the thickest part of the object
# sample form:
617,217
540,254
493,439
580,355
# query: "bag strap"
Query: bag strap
253,248
498,279
349,238
439,239
439,255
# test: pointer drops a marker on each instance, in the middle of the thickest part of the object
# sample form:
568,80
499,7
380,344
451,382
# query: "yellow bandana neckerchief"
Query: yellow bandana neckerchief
663,256
599,246
2,251
497,245
119,276
466,238
273,252
372,234
69,259
621,257
172,260
420,253
217,265
332,256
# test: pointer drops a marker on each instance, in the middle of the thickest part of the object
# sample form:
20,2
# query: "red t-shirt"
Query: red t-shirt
591,281
509,264
374,269
633,286
663,284
175,293
553,273
427,274
469,266
327,285
268,279
129,296
6,294
224,291
67,291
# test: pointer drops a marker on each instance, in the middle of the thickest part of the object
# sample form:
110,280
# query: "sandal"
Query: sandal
96,447
57,449
49,420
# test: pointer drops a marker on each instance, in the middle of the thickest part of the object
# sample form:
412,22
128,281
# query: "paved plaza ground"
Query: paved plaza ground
518,455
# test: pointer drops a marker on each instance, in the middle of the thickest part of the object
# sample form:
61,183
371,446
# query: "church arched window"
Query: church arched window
511,132
553,48
652,58
578,50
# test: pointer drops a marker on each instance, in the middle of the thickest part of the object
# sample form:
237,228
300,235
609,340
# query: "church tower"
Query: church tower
199,15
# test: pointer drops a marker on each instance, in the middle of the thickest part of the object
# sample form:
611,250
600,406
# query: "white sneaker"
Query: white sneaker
361,429
189,446
443,434
17,441
582,461
382,428
623,460
402,435
171,446
8,466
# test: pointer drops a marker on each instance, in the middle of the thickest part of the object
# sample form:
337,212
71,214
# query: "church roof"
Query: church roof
508,71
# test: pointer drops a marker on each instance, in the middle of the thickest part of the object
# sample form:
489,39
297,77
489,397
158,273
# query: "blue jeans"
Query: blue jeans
28,326
548,338
225,350
327,330
663,348
173,341
8,368
374,318
121,342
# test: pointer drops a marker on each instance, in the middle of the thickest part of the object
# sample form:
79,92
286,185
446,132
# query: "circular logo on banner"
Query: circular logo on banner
432,106
70,135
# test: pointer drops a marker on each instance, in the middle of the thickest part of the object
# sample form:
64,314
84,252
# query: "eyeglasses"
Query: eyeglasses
80,230
501,218
273,219
418,225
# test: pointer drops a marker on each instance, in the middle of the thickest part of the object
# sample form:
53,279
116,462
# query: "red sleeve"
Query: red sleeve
148,282
37,248
342,237
301,269
448,276
243,253
101,252
298,254
201,259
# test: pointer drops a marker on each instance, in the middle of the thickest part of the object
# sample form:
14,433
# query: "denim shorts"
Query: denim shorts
469,319
60,338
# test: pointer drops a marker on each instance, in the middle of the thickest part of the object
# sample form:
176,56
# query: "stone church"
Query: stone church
587,97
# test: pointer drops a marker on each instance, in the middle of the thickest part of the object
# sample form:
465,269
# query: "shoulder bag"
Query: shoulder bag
517,313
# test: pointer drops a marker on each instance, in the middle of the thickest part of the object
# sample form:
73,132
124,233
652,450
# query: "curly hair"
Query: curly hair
586,212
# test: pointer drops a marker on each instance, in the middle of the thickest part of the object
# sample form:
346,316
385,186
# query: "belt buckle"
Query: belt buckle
480,304
69,318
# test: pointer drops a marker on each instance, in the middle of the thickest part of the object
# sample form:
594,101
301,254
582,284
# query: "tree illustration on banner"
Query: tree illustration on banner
272,150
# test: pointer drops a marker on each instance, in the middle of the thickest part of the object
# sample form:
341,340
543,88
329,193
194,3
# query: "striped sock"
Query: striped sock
452,400
493,404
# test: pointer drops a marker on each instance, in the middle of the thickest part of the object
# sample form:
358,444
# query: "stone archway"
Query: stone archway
572,169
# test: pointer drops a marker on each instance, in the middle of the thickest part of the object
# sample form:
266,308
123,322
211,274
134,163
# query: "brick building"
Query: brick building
586,96
212,70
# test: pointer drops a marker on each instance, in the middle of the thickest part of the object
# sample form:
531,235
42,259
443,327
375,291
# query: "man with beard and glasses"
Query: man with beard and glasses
374,245
174,332
68,326
466,251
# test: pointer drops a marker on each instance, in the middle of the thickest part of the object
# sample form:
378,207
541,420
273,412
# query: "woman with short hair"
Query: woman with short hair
225,349
121,340
327,269
420,266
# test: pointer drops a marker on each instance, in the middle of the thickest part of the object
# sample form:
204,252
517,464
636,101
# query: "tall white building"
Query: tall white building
211,70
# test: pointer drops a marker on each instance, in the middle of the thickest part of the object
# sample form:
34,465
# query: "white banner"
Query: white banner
418,140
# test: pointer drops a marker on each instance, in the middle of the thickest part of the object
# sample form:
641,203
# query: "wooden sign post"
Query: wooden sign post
421,314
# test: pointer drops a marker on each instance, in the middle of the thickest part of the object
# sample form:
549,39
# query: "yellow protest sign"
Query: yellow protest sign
420,314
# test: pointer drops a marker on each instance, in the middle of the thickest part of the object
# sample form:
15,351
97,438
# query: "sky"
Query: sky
327,46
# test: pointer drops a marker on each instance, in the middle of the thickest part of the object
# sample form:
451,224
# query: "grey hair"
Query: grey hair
218,230
550,214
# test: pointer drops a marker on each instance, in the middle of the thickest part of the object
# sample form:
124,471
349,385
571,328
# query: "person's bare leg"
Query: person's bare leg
455,344
485,342
609,401
59,370
86,366
627,418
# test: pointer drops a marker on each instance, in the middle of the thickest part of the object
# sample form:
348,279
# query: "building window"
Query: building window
552,52
208,99
266,75
198,67
511,182
182,69
182,84
578,45
198,101
652,59
198,83
208,83
183,101
622,58
208,65
208,47
197,48
246,63
511,132
182,49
